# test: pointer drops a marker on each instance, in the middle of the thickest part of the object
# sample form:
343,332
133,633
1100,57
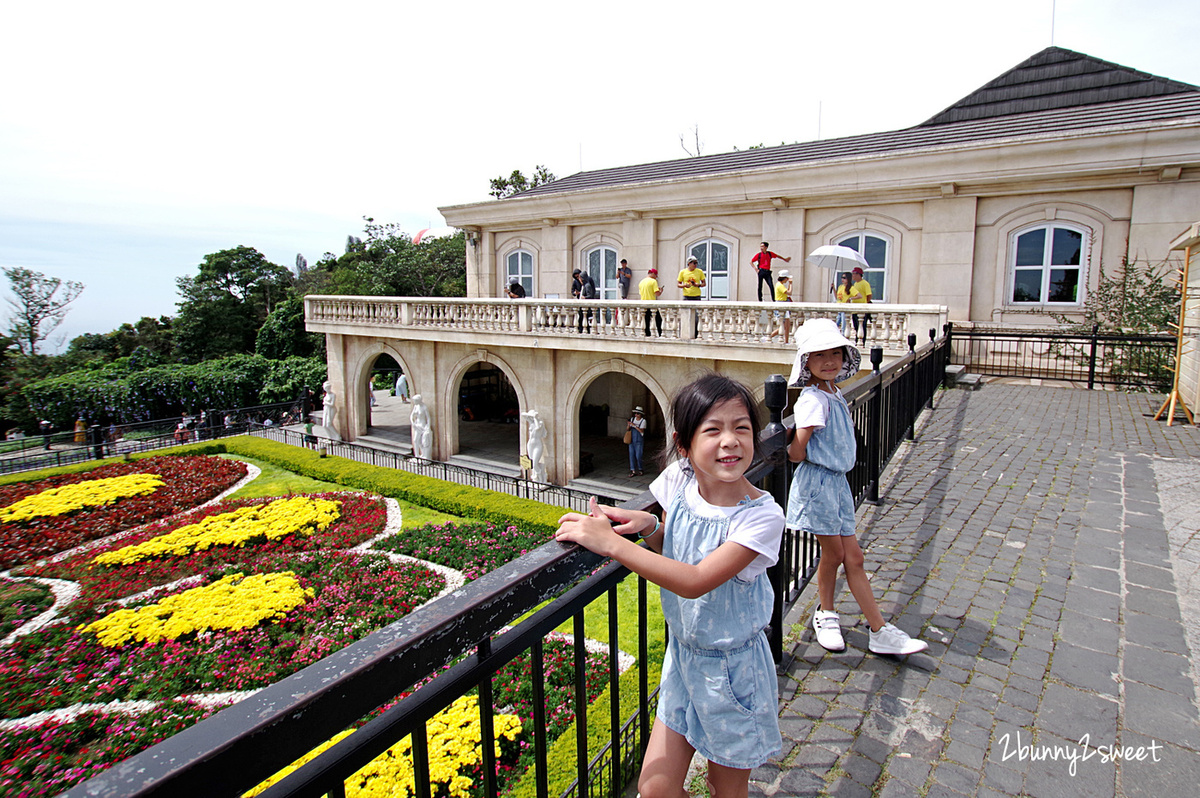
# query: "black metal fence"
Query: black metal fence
1132,361
97,441
246,743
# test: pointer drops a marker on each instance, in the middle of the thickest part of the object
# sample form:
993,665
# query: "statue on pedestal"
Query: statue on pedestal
421,429
536,446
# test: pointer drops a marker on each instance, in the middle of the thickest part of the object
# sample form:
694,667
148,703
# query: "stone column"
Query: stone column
947,258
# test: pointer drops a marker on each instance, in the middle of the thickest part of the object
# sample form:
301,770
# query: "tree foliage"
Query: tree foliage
223,306
118,392
388,263
39,304
1136,298
502,187
283,335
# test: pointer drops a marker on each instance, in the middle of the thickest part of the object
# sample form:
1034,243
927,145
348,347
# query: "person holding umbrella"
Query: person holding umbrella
837,258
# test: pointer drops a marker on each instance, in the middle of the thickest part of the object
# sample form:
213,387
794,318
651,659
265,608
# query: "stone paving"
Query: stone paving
1046,542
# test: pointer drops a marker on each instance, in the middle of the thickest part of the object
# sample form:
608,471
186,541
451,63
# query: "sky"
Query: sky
137,137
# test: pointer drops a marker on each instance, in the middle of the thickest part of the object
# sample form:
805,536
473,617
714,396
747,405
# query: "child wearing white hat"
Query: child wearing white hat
820,500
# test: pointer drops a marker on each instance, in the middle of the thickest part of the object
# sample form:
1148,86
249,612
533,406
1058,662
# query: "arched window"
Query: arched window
601,264
1046,265
878,252
714,262
519,267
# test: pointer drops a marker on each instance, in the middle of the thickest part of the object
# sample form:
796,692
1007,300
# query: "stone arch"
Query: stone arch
566,436
356,384
447,395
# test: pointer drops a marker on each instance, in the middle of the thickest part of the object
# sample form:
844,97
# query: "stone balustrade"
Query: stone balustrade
731,323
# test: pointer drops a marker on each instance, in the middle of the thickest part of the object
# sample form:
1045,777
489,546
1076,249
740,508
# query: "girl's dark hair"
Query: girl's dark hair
692,403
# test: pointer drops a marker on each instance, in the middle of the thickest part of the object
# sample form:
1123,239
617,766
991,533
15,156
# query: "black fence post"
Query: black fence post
911,394
875,422
1092,357
775,398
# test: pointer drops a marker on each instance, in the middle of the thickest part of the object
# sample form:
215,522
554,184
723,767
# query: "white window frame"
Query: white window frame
1047,268
885,271
702,250
526,279
605,288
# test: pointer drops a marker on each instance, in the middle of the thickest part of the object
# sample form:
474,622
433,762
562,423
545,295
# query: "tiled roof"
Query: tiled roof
1068,92
1057,78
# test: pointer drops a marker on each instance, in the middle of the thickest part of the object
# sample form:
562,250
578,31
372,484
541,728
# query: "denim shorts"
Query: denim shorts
724,703
820,501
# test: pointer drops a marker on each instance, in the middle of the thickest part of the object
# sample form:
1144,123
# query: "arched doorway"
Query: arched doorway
386,412
604,412
488,412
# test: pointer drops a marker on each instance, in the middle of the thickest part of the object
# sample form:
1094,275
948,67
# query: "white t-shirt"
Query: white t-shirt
758,528
812,408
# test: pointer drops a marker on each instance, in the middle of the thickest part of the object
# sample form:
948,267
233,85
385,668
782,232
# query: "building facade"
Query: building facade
1005,207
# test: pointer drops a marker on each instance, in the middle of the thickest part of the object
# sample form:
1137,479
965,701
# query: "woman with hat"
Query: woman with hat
820,501
637,441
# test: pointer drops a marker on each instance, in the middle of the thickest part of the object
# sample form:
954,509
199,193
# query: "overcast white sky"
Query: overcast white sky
137,137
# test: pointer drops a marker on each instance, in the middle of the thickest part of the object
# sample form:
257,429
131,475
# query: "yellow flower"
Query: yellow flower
454,744
280,518
235,602
69,498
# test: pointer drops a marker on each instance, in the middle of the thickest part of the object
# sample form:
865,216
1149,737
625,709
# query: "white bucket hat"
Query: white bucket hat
817,335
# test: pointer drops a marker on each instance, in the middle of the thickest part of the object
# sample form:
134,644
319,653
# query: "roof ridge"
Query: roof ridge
1056,78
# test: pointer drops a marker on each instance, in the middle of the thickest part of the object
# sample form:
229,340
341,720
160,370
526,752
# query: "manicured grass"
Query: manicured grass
276,481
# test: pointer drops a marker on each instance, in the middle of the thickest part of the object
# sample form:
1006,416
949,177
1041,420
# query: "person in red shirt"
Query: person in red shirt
762,262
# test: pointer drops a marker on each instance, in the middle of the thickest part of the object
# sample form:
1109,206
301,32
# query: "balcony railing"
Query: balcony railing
738,323
246,743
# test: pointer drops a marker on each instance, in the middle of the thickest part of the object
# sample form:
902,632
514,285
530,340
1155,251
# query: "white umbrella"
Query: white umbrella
837,258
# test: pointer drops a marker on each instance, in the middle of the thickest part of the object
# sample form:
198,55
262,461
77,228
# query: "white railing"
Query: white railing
736,323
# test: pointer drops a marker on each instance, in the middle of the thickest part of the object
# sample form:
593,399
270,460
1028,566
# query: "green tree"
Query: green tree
224,305
502,187
283,335
1136,298
388,263
39,304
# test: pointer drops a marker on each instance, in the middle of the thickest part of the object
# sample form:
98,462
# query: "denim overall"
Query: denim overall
718,687
820,499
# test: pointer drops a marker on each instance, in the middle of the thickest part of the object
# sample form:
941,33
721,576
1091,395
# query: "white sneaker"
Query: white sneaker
829,630
890,640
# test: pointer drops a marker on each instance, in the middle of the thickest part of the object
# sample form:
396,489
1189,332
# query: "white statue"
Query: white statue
421,429
536,446
329,412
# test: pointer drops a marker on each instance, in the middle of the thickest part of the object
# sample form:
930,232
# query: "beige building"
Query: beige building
1003,209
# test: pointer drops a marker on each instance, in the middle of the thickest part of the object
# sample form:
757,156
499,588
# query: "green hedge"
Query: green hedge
461,500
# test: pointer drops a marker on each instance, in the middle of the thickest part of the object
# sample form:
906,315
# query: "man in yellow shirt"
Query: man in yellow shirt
649,290
864,296
691,280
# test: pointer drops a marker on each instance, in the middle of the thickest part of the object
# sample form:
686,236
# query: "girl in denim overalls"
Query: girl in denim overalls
709,555
820,500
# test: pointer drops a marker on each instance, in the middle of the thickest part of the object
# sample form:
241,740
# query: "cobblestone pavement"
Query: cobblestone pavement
1043,540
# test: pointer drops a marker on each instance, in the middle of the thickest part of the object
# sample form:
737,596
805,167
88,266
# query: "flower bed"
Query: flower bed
187,482
19,602
347,595
473,548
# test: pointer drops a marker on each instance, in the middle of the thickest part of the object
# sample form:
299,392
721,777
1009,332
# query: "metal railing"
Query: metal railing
64,448
1126,360
246,743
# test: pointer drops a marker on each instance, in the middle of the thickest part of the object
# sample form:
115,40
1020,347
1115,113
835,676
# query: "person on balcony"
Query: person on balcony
846,292
649,290
761,262
864,297
515,290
